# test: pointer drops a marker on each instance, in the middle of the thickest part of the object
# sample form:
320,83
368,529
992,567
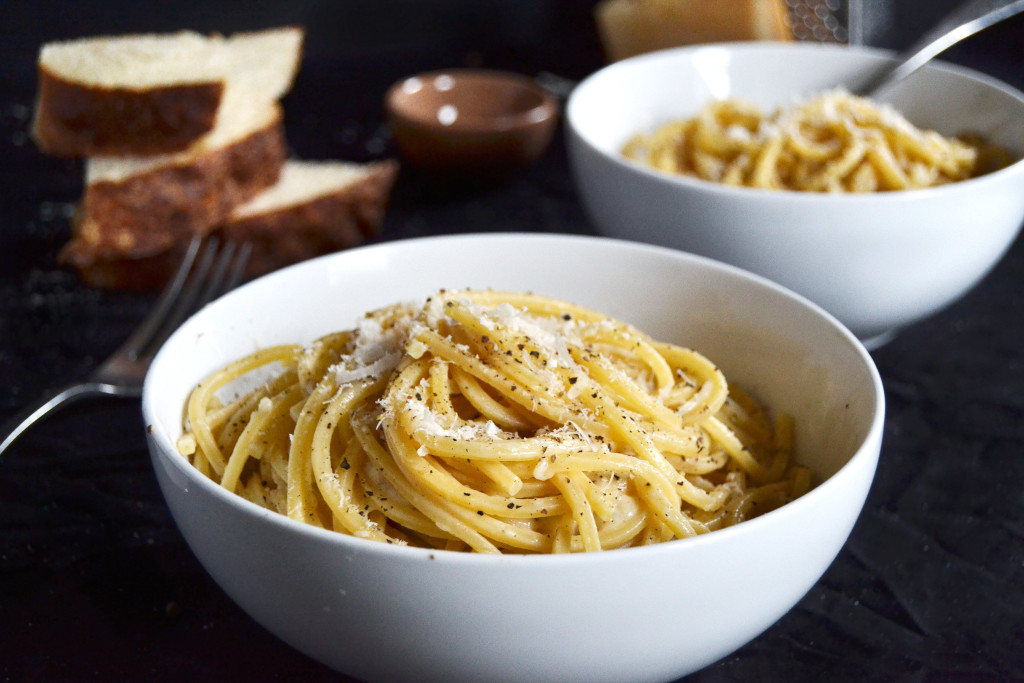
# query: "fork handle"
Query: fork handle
49,402
962,22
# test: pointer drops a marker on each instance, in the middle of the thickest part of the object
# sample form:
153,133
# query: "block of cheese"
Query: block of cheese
632,27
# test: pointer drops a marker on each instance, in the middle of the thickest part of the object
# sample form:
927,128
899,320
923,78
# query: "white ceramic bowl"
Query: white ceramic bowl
878,262
380,612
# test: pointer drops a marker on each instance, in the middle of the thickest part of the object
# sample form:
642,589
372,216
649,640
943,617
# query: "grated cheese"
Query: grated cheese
378,347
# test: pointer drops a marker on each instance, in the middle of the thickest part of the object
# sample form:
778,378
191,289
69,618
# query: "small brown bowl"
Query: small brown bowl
471,122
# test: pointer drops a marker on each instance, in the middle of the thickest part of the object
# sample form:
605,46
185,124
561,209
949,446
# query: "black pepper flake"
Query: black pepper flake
345,464
511,506
535,354
480,512
566,316
484,339
573,380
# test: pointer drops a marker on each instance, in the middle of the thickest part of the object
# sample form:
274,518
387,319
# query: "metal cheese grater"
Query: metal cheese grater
857,22
821,21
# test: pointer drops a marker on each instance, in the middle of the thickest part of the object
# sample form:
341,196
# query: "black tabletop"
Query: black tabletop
97,584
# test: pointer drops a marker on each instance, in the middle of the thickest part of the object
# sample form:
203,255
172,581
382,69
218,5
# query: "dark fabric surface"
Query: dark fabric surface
96,583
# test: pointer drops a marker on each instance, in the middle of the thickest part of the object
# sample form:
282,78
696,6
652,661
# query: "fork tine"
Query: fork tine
189,297
206,271
217,270
219,276
237,272
139,339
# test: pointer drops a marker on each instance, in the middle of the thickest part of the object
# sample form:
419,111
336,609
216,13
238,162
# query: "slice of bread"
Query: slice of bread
632,27
136,207
153,93
147,274
316,207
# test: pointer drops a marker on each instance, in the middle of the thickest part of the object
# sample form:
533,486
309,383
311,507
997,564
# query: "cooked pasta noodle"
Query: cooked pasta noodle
493,422
834,142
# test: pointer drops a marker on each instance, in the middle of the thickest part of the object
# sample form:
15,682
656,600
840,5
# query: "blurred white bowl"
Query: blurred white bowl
878,262
380,612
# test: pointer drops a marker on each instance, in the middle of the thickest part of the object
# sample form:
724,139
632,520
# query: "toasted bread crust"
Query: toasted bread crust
278,238
145,274
336,221
151,212
79,120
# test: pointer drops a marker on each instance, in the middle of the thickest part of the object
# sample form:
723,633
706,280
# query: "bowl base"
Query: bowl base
879,340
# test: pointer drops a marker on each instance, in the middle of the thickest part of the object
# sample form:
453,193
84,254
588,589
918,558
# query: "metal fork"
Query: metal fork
208,270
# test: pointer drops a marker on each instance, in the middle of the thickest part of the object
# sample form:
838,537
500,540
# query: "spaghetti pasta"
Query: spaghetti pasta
492,422
834,142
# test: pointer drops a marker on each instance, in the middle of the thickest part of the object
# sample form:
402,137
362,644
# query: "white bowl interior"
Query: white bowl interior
637,95
382,612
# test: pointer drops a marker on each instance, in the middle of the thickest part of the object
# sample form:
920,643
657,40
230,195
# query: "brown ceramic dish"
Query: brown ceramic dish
471,121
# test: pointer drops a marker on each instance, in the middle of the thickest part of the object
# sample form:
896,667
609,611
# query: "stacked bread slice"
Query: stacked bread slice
180,132
155,93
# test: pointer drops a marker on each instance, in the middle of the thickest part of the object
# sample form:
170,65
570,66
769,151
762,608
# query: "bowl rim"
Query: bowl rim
162,447
742,193
539,115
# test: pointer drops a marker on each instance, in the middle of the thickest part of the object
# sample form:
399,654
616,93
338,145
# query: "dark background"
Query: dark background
96,584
